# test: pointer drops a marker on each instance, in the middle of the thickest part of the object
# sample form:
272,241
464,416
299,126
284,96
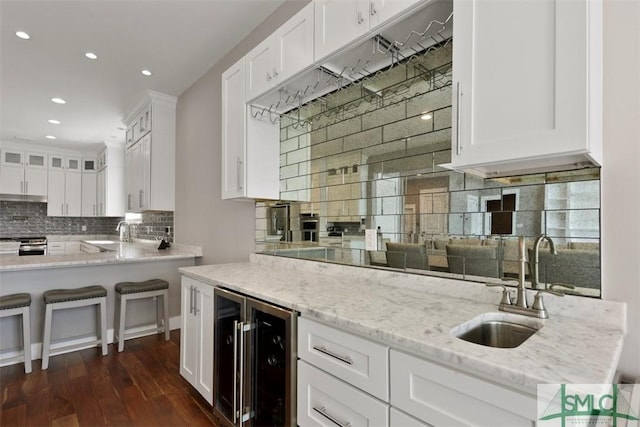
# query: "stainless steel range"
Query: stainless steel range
29,245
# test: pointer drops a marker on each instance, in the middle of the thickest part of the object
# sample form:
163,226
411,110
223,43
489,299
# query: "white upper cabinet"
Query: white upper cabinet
234,112
338,23
250,147
283,54
23,173
89,195
527,85
150,172
64,193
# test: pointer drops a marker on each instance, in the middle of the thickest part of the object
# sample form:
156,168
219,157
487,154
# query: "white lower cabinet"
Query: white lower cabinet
196,345
324,400
442,396
400,419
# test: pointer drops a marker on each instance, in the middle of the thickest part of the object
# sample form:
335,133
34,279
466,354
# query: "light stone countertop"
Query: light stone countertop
136,251
580,343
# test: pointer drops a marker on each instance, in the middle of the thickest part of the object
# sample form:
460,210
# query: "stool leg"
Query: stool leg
103,325
26,338
121,321
165,311
116,319
46,342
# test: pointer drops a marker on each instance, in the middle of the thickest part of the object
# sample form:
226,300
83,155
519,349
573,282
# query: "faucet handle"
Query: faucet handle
506,294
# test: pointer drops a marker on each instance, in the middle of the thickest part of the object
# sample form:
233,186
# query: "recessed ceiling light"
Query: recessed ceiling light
91,55
146,72
426,116
54,122
58,100
23,35
50,137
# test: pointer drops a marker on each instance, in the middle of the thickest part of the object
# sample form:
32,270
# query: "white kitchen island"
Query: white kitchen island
136,261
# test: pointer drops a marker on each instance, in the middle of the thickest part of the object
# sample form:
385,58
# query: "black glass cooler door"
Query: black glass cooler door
228,314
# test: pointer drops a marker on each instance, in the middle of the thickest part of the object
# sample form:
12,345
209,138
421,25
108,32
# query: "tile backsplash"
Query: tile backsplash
19,219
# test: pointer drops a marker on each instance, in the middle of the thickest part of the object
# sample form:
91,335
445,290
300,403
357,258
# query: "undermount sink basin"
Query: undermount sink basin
497,330
101,242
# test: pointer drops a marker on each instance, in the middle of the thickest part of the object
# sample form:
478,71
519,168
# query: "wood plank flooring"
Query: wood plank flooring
141,386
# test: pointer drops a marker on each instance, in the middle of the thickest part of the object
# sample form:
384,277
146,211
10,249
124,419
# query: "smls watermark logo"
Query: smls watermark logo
585,405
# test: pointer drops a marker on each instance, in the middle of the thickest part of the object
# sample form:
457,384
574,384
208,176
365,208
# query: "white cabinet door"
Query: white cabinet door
261,73
36,160
73,193
294,44
12,158
442,396
188,334
137,169
527,82
196,346
89,195
204,303
324,400
35,182
71,248
101,192
11,179
55,196
233,131
399,418
381,11
338,23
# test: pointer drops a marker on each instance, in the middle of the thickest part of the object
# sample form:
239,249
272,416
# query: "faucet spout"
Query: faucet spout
125,231
535,279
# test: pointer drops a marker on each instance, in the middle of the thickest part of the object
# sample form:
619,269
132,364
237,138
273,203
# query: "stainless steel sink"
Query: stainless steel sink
497,330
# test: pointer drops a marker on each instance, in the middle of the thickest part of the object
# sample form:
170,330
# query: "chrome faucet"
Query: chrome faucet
125,231
535,274
520,305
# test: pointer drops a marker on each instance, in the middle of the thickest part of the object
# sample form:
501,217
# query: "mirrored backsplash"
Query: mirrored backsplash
371,155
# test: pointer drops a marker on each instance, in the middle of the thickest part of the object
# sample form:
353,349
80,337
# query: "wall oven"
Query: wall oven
254,362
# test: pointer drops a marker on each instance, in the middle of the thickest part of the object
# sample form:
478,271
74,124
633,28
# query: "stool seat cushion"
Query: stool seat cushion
146,286
62,295
15,301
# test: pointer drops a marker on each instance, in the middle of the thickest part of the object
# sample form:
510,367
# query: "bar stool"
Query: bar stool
58,299
18,305
126,291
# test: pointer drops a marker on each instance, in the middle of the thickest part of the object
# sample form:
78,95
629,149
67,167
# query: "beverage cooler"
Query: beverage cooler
254,362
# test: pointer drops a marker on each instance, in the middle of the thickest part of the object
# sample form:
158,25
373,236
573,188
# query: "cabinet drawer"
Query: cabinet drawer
443,396
356,360
326,401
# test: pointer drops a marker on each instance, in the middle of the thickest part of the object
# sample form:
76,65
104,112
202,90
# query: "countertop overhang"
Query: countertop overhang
136,251
580,343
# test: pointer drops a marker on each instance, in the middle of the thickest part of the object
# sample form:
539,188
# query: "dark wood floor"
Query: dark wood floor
141,386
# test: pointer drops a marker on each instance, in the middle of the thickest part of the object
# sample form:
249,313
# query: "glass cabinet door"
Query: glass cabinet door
228,314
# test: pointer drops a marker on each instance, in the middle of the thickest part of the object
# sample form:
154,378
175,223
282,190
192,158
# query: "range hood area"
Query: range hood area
22,198
423,29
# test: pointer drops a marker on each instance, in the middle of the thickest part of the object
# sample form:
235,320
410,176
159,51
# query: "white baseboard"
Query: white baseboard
8,358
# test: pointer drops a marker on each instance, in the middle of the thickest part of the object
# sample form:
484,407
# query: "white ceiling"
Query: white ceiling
178,40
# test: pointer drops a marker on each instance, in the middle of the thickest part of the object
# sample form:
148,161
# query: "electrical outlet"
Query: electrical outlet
84,228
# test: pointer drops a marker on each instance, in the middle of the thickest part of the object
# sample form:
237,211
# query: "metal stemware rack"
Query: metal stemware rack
373,57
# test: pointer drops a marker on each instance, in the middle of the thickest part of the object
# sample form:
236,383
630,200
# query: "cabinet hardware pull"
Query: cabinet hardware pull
21,186
241,328
239,173
373,9
323,411
268,77
458,95
61,208
196,291
94,209
360,19
275,73
235,371
128,201
322,349
26,187
67,209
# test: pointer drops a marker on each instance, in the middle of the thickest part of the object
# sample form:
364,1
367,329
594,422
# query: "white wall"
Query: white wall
621,169
224,229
